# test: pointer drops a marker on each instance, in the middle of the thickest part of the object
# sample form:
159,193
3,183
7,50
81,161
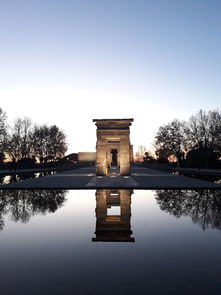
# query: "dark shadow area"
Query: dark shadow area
202,157
114,160
200,175
21,205
203,206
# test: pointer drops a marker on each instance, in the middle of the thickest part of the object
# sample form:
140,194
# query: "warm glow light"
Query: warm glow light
91,65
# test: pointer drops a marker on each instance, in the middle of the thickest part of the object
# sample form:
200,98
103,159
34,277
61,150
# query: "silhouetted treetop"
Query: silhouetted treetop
3,132
48,142
202,131
26,140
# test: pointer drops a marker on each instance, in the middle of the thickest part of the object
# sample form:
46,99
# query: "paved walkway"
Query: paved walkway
26,171
85,178
196,171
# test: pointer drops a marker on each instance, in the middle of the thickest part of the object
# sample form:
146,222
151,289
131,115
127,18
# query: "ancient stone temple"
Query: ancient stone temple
112,226
113,149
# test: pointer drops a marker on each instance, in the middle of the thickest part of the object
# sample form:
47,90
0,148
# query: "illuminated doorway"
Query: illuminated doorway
114,158
113,148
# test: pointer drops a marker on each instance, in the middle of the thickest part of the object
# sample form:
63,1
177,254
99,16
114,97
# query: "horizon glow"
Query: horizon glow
69,62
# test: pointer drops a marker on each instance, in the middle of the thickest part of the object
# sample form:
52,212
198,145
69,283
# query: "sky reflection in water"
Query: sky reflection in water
168,242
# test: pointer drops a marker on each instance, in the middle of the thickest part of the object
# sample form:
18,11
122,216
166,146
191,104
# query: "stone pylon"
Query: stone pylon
113,148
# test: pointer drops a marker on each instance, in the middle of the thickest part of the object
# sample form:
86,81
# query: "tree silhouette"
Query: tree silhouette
19,145
48,142
204,129
3,133
25,140
201,135
170,140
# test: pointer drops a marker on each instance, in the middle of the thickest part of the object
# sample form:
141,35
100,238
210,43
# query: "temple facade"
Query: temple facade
113,148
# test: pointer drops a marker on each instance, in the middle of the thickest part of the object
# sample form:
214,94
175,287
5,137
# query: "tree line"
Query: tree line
194,143
28,140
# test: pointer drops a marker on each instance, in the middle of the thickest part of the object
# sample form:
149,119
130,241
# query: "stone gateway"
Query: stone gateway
113,148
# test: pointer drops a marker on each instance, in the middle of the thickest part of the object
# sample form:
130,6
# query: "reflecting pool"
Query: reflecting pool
110,242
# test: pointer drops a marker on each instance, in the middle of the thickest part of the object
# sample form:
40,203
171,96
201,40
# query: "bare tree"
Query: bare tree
215,129
25,140
20,140
57,145
204,129
48,142
170,140
39,141
198,138
3,132
140,153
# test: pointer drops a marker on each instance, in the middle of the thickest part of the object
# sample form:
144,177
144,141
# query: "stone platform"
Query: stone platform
85,178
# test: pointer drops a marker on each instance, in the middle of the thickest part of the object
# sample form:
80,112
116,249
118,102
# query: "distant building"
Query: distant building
71,158
86,157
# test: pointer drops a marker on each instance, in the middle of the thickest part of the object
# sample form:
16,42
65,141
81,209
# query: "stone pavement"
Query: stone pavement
26,171
195,171
85,178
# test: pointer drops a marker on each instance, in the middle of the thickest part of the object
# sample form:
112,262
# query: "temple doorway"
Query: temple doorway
114,158
113,148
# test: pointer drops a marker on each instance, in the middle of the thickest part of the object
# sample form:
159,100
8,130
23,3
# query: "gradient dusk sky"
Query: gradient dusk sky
67,62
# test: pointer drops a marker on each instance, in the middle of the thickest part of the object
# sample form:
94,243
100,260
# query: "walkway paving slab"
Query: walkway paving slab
85,178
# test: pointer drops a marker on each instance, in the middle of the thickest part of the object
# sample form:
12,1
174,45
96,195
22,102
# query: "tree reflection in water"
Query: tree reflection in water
203,206
21,205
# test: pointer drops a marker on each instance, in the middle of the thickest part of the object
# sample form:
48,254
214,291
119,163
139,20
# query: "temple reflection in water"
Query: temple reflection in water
113,214
113,208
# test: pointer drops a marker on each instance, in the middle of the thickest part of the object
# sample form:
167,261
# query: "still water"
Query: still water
110,242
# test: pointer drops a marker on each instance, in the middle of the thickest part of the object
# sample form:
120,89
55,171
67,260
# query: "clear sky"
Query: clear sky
66,62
